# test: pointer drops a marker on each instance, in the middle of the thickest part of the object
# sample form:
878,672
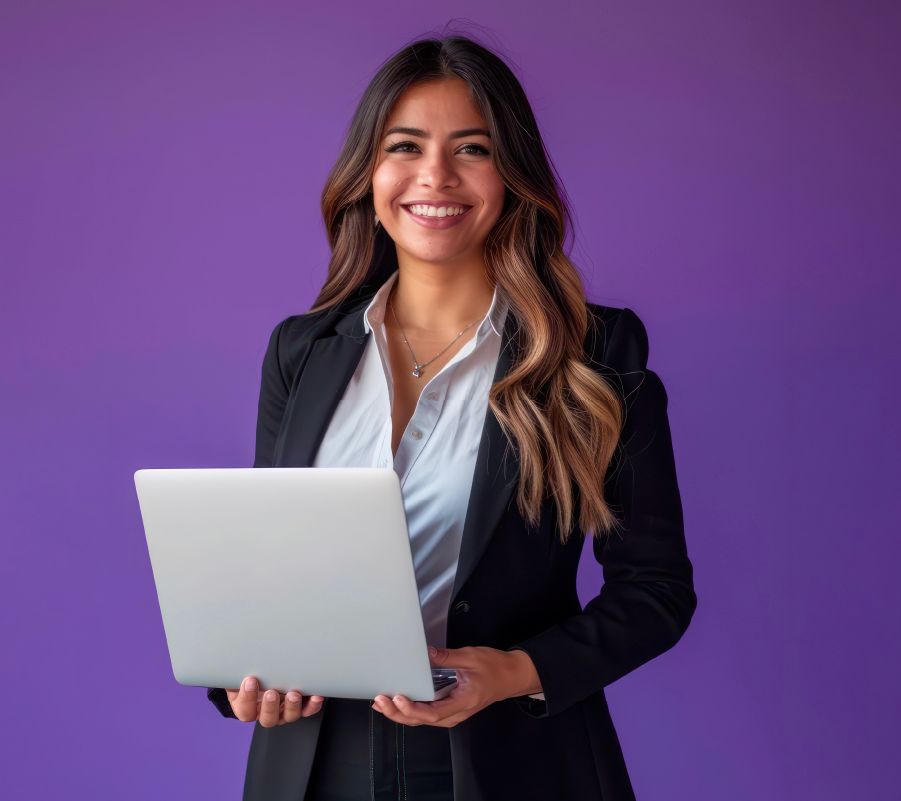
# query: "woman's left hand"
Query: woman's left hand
484,675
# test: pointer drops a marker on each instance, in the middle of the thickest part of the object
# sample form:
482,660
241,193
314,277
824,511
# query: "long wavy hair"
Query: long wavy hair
561,415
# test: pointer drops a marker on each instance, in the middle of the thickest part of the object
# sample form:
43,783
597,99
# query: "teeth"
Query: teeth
423,210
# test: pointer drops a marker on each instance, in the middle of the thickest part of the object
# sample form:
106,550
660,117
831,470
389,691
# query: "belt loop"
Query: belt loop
371,774
403,759
400,758
397,758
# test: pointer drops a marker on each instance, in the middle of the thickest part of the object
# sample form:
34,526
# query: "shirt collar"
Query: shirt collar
374,314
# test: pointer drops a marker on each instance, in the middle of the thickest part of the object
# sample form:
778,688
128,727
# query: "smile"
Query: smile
431,221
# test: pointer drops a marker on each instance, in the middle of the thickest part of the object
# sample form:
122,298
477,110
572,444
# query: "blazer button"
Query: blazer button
461,607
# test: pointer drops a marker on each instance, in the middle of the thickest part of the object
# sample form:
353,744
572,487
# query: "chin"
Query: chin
438,259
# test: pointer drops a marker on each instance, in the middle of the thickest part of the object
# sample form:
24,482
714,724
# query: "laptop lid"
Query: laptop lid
300,576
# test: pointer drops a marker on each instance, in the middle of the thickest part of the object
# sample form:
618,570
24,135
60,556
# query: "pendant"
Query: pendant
416,371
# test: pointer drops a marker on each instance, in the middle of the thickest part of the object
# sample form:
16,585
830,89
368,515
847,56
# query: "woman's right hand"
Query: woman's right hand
271,708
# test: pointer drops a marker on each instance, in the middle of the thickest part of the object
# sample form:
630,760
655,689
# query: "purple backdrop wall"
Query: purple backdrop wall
734,172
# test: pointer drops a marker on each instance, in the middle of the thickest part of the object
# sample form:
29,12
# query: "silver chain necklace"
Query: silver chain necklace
417,367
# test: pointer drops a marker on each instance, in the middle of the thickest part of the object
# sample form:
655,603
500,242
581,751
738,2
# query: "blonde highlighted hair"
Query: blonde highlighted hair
562,416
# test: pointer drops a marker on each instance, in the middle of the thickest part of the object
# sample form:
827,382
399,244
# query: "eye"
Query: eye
400,147
397,147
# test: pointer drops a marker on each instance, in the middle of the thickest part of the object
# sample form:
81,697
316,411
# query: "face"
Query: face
439,165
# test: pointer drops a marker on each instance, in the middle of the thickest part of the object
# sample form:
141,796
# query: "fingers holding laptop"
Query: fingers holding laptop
271,707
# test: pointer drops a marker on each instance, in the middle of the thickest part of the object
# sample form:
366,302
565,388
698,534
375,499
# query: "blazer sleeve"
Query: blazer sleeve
271,407
647,598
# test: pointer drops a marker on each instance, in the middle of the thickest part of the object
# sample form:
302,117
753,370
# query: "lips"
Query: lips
437,222
463,206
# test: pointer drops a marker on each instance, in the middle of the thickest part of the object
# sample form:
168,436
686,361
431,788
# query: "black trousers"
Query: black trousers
363,756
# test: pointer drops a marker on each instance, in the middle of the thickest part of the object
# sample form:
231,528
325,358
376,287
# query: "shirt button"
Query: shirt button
416,433
432,396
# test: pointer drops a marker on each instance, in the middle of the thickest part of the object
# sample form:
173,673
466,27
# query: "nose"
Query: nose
437,170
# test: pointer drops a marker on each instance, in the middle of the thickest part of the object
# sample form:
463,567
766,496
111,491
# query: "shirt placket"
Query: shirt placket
420,427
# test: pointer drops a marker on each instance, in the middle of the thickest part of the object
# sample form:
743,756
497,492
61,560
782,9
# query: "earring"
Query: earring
377,221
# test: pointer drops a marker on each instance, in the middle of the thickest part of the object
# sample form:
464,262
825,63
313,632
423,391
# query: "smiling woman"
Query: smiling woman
452,340
435,171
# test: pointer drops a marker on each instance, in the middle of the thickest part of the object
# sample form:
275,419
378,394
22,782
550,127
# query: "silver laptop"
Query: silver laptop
300,576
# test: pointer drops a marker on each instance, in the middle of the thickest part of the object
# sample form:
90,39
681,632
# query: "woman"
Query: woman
453,341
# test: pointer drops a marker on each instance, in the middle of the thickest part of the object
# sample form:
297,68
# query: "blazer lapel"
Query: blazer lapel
328,369
494,478
320,387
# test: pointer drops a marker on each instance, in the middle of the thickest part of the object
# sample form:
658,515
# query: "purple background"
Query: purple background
734,172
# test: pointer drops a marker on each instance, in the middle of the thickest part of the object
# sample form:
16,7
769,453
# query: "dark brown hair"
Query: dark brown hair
561,415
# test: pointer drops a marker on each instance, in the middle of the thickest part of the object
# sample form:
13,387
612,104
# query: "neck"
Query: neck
437,302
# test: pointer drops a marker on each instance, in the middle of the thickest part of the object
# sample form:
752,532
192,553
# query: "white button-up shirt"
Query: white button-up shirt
436,455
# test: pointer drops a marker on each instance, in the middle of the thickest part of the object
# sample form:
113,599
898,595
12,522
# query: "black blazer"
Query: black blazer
514,588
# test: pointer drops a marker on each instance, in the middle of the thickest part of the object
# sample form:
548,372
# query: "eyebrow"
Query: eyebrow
425,134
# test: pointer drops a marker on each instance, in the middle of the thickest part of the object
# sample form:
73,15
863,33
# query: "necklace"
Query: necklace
417,367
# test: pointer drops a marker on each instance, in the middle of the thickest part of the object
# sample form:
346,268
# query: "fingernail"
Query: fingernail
250,684
293,697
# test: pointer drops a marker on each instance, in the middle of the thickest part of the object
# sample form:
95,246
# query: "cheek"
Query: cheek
493,192
387,184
